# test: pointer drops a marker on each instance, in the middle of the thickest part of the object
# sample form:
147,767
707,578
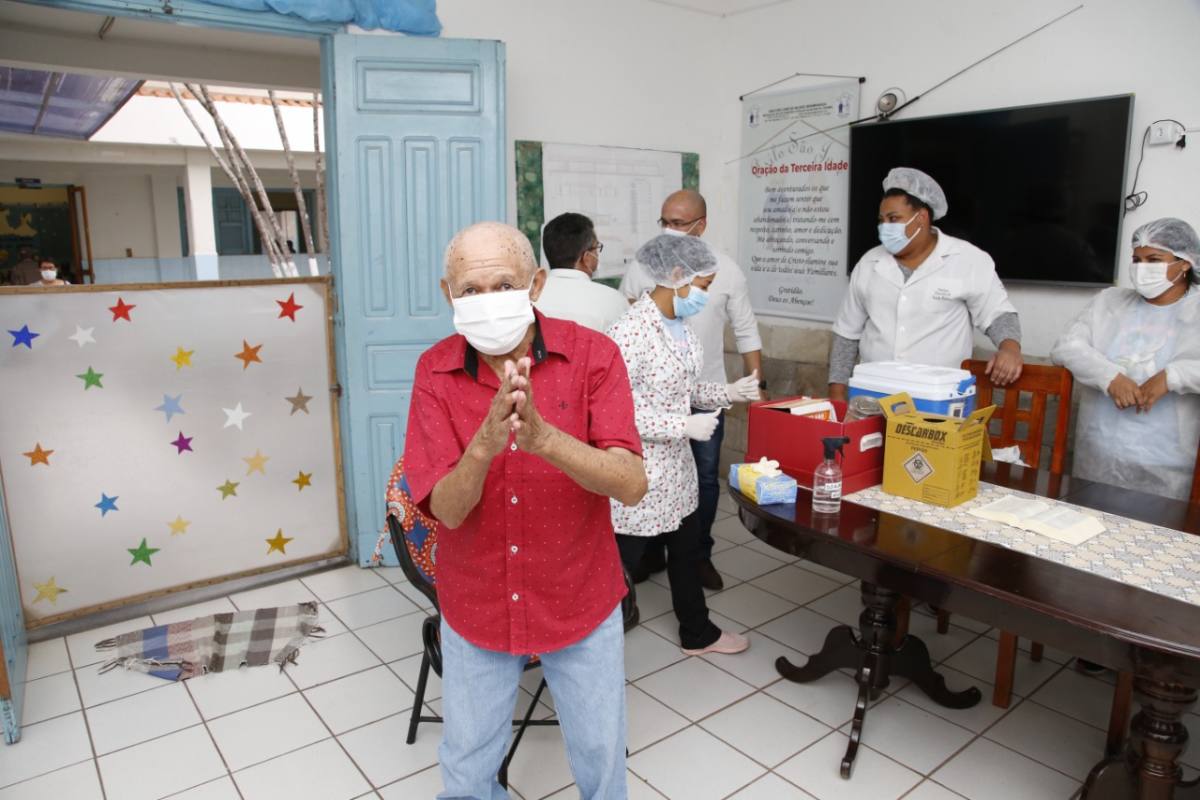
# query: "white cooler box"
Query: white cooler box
935,390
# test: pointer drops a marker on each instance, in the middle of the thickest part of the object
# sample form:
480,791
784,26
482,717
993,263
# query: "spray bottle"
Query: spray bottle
827,478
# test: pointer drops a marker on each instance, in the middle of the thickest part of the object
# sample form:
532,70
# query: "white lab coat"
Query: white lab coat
571,294
665,386
728,304
1117,333
928,319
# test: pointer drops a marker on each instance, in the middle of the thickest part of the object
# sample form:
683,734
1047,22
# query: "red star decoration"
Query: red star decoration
289,307
121,310
248,354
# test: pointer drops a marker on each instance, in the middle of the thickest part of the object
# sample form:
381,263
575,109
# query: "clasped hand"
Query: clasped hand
1126,394
513,412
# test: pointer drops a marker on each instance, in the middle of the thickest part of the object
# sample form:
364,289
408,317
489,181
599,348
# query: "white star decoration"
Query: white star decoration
83,336
235,416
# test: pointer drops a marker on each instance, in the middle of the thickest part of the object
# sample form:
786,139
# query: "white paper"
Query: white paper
620,188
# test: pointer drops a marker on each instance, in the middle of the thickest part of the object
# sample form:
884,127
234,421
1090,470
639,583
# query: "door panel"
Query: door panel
13,650
417,133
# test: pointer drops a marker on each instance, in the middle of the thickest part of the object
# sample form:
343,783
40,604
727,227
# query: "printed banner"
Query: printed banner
794,198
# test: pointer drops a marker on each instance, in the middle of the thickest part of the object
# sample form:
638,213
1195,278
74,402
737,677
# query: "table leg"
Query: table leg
1149,768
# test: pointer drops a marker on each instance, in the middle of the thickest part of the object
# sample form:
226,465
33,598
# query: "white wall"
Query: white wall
643,74
1109,47
618,72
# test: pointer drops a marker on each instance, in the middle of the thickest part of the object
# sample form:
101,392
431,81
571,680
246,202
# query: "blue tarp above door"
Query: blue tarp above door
416,17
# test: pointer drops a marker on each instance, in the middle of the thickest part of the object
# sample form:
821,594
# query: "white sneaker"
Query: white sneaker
728,643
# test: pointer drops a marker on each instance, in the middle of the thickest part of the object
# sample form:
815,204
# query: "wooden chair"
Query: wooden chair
1041,383
1194,499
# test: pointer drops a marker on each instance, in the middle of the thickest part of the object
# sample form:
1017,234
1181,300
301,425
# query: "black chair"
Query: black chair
414,537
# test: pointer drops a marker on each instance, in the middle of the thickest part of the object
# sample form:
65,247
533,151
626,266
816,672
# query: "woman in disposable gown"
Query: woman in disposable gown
1137,353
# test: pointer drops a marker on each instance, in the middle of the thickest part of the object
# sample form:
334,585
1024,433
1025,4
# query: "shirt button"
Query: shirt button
514,548
514,499
513,447
516,597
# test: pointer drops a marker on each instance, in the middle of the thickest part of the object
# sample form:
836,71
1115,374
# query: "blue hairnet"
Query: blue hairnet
920,186
662,254
1172,235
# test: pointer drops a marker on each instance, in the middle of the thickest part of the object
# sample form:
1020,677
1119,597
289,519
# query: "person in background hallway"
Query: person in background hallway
1135,354
573,252
26,270
685,213
48,275
918,294
520,429
664,358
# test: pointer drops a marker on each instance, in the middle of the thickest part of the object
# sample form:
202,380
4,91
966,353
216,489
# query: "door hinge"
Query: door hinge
336,389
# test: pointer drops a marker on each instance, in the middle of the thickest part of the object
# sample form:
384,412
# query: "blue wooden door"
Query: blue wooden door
12,637
416,129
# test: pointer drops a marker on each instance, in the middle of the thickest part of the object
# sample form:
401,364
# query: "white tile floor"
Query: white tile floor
333,726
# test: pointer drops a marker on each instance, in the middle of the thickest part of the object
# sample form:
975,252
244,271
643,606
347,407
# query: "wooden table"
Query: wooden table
1152,636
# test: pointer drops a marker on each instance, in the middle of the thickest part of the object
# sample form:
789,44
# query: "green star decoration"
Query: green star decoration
227,488
142,553
91,378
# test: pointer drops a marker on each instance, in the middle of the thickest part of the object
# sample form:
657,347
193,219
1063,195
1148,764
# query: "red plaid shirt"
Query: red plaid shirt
534,566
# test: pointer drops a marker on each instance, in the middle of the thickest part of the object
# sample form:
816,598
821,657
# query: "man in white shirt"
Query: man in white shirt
573,252
917,296
685,213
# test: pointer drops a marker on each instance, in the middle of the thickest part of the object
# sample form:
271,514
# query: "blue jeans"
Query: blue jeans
708,473
479,692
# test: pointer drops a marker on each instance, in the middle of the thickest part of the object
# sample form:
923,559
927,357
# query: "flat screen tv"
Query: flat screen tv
1040,188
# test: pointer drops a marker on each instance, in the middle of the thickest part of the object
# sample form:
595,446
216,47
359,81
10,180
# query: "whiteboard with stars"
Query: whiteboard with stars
155,438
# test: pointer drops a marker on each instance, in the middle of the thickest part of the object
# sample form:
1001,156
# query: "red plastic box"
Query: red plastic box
795,442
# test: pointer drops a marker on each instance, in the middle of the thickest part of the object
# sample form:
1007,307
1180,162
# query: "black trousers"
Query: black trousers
685,550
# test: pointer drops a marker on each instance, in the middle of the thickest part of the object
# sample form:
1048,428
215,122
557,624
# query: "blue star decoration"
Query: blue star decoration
107,504
24,336
170,406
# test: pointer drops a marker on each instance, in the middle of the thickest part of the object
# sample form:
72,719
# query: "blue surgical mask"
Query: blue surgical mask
892,237
695,301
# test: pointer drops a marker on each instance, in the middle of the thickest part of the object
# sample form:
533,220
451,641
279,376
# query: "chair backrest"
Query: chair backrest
414,535
1195,496
1042,383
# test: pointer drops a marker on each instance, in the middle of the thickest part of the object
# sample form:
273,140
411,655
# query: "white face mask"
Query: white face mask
1150,277
493,322
49,274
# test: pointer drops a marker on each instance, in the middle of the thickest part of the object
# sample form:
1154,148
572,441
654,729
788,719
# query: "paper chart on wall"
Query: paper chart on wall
621,189
157,438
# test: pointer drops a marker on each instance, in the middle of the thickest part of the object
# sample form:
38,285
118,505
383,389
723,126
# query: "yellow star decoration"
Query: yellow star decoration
302,480
39,456
48,591
278,542
182,358
180,525
227,489
256,463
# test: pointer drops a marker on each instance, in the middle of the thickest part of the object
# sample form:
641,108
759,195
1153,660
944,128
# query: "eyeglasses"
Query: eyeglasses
598,247
679,223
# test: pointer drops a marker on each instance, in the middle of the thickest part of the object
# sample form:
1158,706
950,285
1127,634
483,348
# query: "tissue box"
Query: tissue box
760,488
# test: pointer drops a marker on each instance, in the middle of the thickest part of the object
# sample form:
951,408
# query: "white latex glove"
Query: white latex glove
743,390
701,426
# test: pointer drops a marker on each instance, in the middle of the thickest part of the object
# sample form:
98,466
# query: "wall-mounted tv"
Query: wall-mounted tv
1041,188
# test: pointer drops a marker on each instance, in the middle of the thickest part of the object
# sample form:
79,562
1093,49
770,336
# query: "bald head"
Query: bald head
685,210
489,256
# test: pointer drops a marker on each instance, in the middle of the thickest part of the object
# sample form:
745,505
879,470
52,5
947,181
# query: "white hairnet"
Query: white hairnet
662,254
920,186
1173,235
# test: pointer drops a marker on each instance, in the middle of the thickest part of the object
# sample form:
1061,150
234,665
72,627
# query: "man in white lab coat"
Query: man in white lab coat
573,252
917,296
685,213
